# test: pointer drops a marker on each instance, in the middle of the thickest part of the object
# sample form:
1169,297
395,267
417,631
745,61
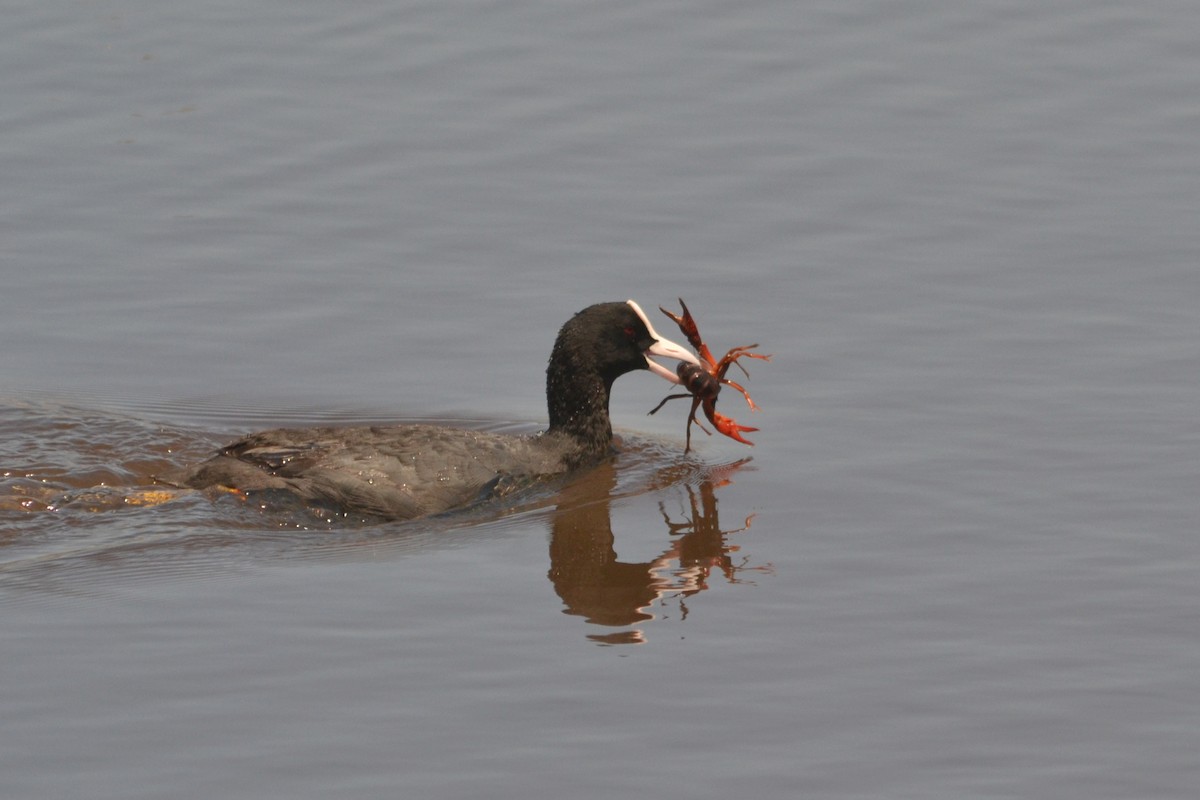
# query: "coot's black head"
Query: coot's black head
615,338
593,349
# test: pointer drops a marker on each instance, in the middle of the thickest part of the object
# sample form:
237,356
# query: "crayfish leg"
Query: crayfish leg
692,420
745,394
732,358
664,402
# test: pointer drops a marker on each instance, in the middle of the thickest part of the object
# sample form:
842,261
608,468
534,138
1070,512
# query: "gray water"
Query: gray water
962,560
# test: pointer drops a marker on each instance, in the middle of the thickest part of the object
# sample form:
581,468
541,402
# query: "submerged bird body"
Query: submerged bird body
396,471
406,471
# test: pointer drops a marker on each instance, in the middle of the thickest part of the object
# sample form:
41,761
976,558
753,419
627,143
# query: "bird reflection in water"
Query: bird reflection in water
594,584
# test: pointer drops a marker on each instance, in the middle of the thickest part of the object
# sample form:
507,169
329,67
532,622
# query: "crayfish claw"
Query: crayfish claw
686,324
687,327
731,429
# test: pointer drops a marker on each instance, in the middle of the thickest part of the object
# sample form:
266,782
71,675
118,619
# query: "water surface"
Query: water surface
962,561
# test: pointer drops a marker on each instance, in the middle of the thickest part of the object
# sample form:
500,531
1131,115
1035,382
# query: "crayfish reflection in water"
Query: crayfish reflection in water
703,383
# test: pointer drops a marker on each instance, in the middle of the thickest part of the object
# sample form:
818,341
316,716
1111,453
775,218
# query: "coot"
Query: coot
406,471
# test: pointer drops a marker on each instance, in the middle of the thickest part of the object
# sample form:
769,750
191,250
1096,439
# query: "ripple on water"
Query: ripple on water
82,509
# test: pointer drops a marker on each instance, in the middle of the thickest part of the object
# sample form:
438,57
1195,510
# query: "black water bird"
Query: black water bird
406,471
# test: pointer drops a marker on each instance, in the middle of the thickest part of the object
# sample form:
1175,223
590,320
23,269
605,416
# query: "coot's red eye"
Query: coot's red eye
630,333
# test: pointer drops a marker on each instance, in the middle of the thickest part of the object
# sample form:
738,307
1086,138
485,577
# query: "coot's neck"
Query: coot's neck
577,398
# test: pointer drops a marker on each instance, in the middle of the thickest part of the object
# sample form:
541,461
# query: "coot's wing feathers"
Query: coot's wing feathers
414,470
272,456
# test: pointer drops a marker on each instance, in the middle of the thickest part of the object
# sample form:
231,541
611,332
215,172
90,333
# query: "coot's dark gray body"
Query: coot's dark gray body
396,472
405,471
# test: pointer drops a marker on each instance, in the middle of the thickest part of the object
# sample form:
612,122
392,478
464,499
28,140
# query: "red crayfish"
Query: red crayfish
704,383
